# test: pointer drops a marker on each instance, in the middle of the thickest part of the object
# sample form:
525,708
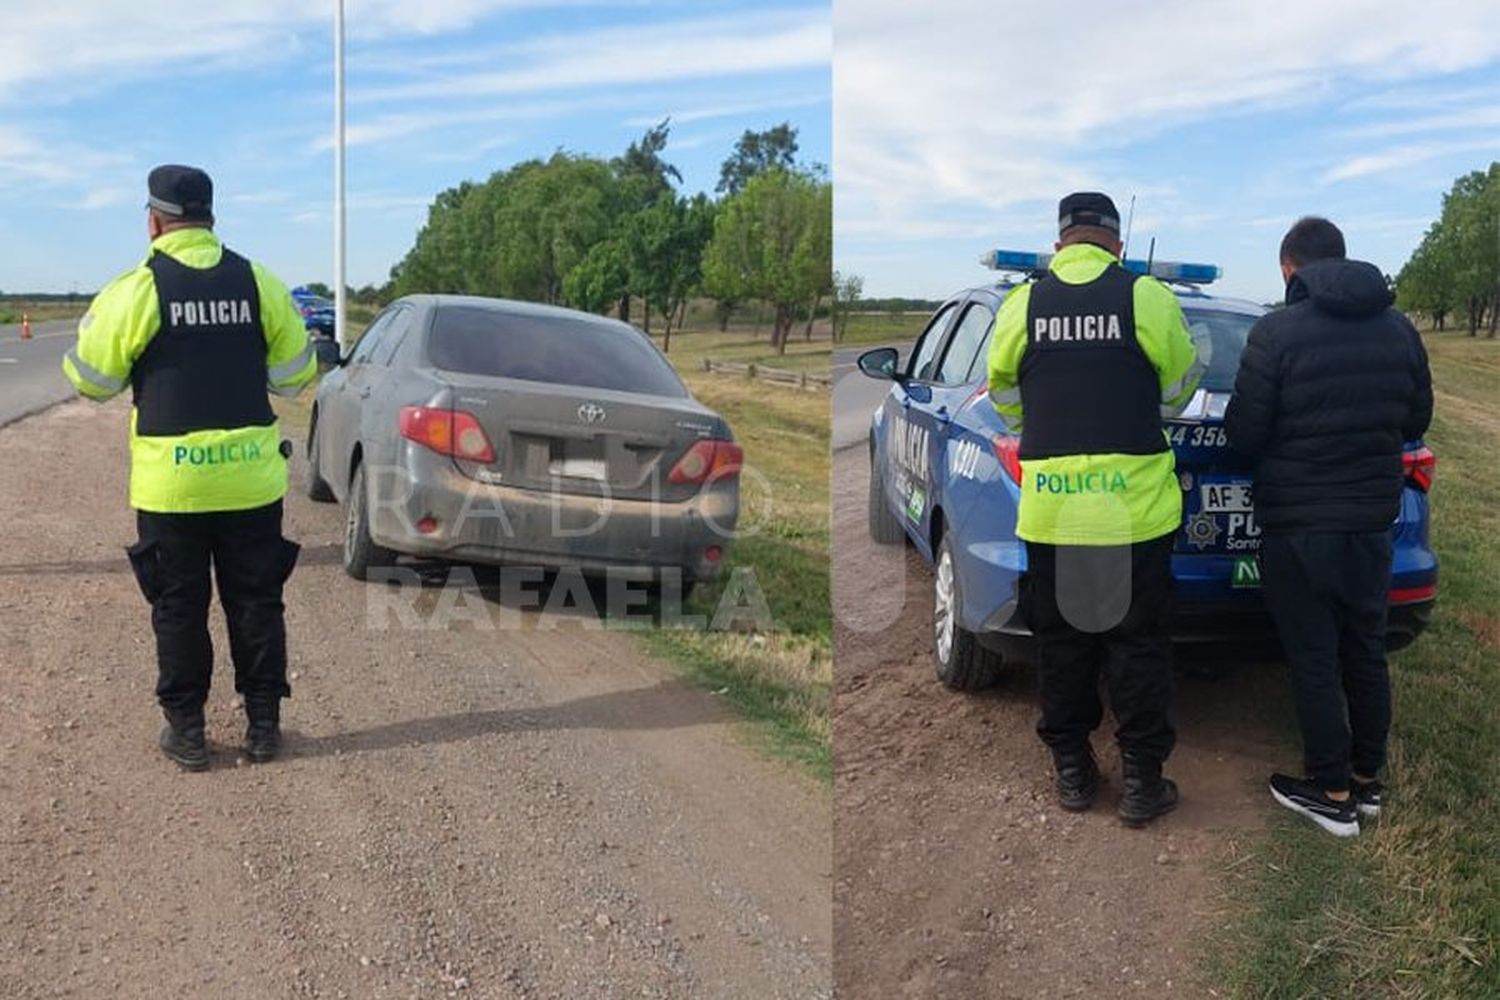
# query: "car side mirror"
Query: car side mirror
881,363
328,353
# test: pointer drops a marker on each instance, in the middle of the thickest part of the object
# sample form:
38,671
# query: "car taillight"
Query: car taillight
447,432
708,461
1419,466
1008,450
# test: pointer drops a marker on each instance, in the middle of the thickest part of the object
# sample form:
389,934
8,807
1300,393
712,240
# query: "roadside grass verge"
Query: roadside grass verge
778,679
11,310
1411,907
689,348
883,328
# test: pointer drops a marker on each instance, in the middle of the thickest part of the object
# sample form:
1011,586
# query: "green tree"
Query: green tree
755,153
847,288
1457,265
770,242
600,280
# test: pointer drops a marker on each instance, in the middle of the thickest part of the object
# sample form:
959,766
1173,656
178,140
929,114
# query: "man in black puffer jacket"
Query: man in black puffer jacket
1328,391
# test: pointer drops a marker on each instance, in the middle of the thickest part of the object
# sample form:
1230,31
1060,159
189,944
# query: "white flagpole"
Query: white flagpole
339,241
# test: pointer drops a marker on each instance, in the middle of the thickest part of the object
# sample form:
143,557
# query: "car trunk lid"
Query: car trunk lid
581,440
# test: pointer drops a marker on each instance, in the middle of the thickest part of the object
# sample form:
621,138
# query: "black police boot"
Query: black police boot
183,743
1147,794
1077,779
263,735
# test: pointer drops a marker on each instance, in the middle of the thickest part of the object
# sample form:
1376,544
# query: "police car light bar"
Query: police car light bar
1165,270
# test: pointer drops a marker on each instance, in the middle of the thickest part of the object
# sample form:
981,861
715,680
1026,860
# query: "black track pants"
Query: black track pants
250,560
1328,592
1103,608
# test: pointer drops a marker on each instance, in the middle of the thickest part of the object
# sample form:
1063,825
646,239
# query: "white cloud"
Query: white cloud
105,197
941,108
1398,157
712,47
54,50
696,113
26,157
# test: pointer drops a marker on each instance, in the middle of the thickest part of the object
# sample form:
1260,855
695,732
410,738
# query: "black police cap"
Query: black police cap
181,192
1088,208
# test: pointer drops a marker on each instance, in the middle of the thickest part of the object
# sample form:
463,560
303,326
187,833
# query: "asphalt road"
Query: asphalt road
31,375
856,396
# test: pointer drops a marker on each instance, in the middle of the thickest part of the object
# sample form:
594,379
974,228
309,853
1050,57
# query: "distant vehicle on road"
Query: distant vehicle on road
945,473
317,311
490,431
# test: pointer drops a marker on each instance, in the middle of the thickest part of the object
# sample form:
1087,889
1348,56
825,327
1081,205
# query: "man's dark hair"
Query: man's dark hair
1311,238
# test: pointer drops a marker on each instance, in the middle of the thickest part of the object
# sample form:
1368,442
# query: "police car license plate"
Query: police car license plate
1245,572
1226,498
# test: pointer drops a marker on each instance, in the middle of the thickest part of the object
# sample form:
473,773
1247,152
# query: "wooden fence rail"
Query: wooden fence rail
803,380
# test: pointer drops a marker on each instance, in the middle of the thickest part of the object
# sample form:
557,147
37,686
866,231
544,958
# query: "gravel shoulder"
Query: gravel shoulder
958,876
538,810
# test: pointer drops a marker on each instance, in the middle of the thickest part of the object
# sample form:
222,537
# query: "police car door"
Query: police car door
912,414
957,450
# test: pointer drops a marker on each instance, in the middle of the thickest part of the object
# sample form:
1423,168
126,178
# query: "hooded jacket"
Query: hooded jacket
1329,390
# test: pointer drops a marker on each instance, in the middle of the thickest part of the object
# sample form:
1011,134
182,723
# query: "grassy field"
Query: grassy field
882,328
12,309
779,680
1410,908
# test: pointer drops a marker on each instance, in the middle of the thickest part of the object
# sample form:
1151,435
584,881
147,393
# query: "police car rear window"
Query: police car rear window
1226,333
560,350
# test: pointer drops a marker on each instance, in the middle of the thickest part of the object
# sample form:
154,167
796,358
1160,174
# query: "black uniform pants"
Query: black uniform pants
1328,593
250,560
1106,608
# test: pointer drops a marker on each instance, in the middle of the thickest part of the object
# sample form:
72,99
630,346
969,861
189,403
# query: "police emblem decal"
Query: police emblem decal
1202,530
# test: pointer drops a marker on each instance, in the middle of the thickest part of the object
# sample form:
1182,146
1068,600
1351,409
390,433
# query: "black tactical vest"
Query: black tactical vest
206,367
1087,387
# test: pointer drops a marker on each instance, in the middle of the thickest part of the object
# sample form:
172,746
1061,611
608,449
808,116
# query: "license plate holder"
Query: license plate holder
580,460
1233,496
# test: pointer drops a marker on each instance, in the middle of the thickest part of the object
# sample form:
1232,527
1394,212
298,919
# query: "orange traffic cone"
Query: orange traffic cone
25,327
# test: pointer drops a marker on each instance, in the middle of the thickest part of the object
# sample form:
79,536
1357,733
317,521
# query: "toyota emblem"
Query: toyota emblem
591,413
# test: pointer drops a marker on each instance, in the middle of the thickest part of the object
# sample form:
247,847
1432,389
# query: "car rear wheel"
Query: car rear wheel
885,529
317,487
962,664
361,554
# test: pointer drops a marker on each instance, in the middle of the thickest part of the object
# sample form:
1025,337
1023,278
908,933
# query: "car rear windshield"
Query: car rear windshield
1226,333
479,341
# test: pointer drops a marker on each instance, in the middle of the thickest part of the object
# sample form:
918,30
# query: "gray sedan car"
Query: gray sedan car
484,430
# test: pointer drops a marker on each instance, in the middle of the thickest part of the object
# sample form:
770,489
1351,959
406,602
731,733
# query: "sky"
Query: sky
958,126
93,93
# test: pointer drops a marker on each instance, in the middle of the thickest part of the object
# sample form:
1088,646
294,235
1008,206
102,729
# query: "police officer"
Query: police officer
1093,356
200,334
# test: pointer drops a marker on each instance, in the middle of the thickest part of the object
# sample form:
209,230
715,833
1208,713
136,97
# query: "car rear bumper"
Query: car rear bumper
427,508
1252,627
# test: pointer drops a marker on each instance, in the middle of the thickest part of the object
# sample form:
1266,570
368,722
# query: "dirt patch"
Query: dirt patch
532,811
957,874
1486,628
1476,414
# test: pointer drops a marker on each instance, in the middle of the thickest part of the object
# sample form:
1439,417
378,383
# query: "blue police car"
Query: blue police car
945,474
317,311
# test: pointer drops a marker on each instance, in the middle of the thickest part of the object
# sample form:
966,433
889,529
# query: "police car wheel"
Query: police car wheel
885,529
360,551
317,487
962,664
